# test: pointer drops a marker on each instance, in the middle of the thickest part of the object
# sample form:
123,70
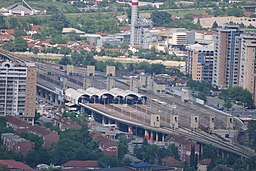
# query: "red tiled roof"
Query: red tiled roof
110,148
76,163
86,44
102,34
97,136
39,130
67,122
12,164
26,37
46,41
179,139
16,121
170,160
125,28
35,28
10,31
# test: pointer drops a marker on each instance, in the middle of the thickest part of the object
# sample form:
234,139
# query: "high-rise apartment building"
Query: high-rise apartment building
247,76
200,62
227,56
18,90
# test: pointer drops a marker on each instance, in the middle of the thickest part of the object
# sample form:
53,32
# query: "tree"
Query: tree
20,45
202,96
251,162
240,165
65,60
65,50
58,21
252,134
215,25
107,162
2,22
193,157
238,94
253,16
161,18
37,156
67,149
201,86
122,149
35,50
19,33
237,12
173,151
34,138
4,168
209,152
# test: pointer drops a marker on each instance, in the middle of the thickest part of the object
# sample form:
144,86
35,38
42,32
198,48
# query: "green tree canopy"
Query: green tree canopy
238,94
161,18
65,60
58,21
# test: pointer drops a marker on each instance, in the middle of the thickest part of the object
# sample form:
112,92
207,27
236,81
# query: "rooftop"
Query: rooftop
14,137
205,161
76,163
12,164
170,161
39,130
16,121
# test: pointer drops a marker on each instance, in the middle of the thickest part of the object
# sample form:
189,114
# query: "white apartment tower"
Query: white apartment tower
18,90
227,56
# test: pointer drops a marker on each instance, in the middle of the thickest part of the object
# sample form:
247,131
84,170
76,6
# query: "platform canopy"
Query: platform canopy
73,95
126,93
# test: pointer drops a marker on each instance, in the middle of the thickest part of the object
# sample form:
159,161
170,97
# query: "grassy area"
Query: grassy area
180,12
40,56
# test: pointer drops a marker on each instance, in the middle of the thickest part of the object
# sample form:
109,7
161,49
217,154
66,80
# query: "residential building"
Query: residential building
16,123
199,62
18,90
139,167
15,143
179,38
64,123
204,37
247,76
49,137
76,164
168,38
184,147
227,56
171,162
13,165
108,147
